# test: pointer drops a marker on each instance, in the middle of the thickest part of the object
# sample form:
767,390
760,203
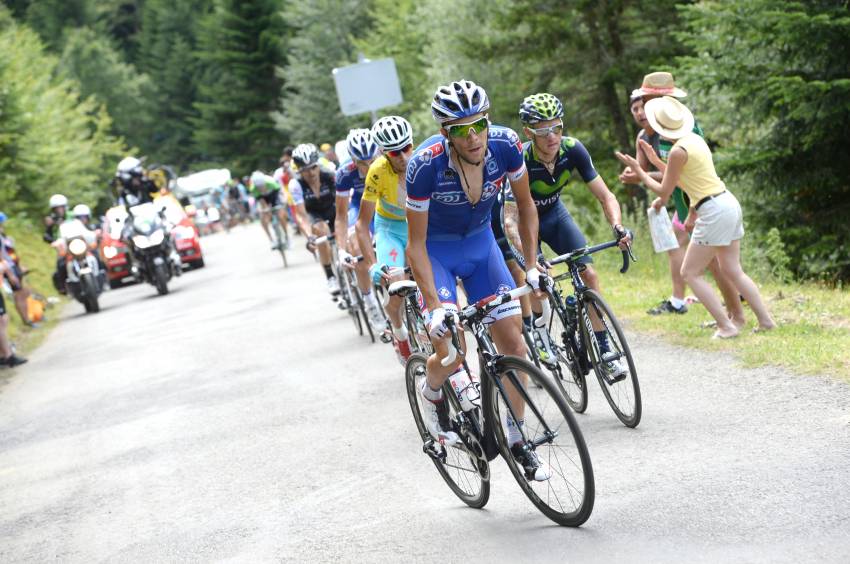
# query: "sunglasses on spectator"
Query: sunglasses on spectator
398,152
557,129
463,129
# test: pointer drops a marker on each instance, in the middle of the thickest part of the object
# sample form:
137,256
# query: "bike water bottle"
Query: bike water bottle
466,390
570,306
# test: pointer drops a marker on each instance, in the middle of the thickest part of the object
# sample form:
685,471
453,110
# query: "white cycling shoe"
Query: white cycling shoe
333,285
436,419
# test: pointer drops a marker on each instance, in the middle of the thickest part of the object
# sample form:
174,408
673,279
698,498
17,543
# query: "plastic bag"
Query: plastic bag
661,230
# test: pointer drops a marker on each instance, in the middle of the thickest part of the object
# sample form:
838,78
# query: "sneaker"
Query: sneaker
615,368
373,312
534,468
275,246
333,285
544,347
12,361
436,417
667,307
403,348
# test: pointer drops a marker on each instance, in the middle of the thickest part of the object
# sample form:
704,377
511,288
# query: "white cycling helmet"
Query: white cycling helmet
305,154
57,200
360,144
392,133
457,100
258,179
82,210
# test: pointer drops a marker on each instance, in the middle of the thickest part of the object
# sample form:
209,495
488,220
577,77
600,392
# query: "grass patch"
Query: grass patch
813,336
40,259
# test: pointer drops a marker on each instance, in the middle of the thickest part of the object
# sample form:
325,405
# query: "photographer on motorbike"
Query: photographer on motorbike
58,215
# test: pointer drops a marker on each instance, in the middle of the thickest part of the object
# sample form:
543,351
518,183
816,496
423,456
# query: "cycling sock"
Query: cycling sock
431,395
328,270
526,320
514,435
602,339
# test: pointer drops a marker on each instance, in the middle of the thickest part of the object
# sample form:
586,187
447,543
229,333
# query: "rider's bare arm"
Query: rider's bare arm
341,221
361,229
417,254
528,224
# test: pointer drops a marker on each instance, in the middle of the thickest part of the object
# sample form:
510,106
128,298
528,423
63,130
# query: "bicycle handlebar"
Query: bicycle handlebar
323,239
578,253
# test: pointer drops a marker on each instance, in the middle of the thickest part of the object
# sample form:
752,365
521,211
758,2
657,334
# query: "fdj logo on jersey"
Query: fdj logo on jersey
444,292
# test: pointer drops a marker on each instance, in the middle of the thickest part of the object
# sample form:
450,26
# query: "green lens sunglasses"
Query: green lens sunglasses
463,129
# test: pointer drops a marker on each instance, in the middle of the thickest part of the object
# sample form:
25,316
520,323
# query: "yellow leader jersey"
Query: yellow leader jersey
386,190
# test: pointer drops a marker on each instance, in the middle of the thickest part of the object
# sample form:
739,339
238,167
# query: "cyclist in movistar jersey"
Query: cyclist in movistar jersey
385,194
314,194
266,192
551,159
452,182
350,184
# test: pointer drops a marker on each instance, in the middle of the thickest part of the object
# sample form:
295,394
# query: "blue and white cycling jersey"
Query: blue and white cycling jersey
434,185
349,181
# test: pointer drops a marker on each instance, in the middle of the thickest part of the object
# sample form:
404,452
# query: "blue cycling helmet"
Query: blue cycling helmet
360,144
3,217
457,100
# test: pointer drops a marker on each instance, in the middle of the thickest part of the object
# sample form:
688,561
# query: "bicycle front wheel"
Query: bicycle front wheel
621,388
569,375
551,433
464,466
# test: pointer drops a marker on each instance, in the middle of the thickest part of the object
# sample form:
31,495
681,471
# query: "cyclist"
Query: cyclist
386,194
267,194
452,181
551,158
349,191
314,193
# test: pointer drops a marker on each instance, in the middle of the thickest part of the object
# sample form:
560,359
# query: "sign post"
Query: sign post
367,86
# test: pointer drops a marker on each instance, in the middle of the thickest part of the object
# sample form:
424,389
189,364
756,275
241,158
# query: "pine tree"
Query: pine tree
241,49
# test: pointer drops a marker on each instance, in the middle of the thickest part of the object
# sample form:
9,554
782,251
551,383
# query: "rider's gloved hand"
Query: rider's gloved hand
345,259
437,329
533,278
376,273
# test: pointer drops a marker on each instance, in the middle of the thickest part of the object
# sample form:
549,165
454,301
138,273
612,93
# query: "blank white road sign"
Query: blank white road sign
367,86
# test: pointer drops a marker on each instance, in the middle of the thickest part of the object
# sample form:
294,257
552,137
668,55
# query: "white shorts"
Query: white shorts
719,221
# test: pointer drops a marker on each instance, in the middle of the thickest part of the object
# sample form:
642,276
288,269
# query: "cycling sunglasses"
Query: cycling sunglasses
463,129
398,152
557,129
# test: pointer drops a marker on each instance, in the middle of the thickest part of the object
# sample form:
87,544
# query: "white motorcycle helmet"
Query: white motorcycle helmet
81,210
58,200
128,167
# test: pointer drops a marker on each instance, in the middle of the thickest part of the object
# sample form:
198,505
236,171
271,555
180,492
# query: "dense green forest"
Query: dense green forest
194,83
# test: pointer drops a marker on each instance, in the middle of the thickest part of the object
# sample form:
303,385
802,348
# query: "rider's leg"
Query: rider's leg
320,229
265,220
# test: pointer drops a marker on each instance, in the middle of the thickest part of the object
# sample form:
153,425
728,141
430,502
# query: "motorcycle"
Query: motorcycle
84,278
152,249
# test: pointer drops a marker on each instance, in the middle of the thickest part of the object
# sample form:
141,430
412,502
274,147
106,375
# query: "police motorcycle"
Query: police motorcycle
85,279
152,248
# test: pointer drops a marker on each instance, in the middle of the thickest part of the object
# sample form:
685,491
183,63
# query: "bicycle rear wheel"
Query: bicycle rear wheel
569,376
551,431
623,394
416,330
359,303
463,466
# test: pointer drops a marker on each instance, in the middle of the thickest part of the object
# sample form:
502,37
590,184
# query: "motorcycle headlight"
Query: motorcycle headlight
77,247
141,241
110,252
157,237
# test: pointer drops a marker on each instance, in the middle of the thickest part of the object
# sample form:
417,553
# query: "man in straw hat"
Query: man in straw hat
715,212
650,146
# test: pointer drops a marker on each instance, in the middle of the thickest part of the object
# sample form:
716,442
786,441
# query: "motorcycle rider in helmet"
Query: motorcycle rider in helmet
134,187
58,215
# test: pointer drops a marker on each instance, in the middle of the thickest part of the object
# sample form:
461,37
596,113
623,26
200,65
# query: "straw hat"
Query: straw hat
669,117
660,84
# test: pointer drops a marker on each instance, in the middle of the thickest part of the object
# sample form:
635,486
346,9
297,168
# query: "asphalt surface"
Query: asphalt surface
241,418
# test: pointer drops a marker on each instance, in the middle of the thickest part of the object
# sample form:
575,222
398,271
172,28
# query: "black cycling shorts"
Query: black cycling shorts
328,217
271,198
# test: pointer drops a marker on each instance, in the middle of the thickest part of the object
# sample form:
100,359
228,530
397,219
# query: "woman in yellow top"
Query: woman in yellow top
715,215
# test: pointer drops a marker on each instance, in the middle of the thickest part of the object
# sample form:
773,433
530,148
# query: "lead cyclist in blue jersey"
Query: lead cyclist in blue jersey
452,182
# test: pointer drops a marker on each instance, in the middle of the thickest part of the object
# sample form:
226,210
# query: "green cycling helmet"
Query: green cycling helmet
540,107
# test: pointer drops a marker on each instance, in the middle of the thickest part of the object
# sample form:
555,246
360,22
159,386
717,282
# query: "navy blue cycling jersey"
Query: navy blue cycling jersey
546,186
349,181
434,185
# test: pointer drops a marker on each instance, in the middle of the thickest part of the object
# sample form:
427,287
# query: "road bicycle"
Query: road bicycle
577,346
350,297
414,321
281,235
479,414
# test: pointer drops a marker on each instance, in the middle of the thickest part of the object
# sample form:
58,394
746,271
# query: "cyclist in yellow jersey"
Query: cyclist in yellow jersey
385,193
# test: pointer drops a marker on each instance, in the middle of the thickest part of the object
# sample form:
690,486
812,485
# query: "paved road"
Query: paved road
240,418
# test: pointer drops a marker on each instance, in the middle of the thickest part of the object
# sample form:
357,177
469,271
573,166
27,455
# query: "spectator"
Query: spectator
16,272
7,357
329,155
715,218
